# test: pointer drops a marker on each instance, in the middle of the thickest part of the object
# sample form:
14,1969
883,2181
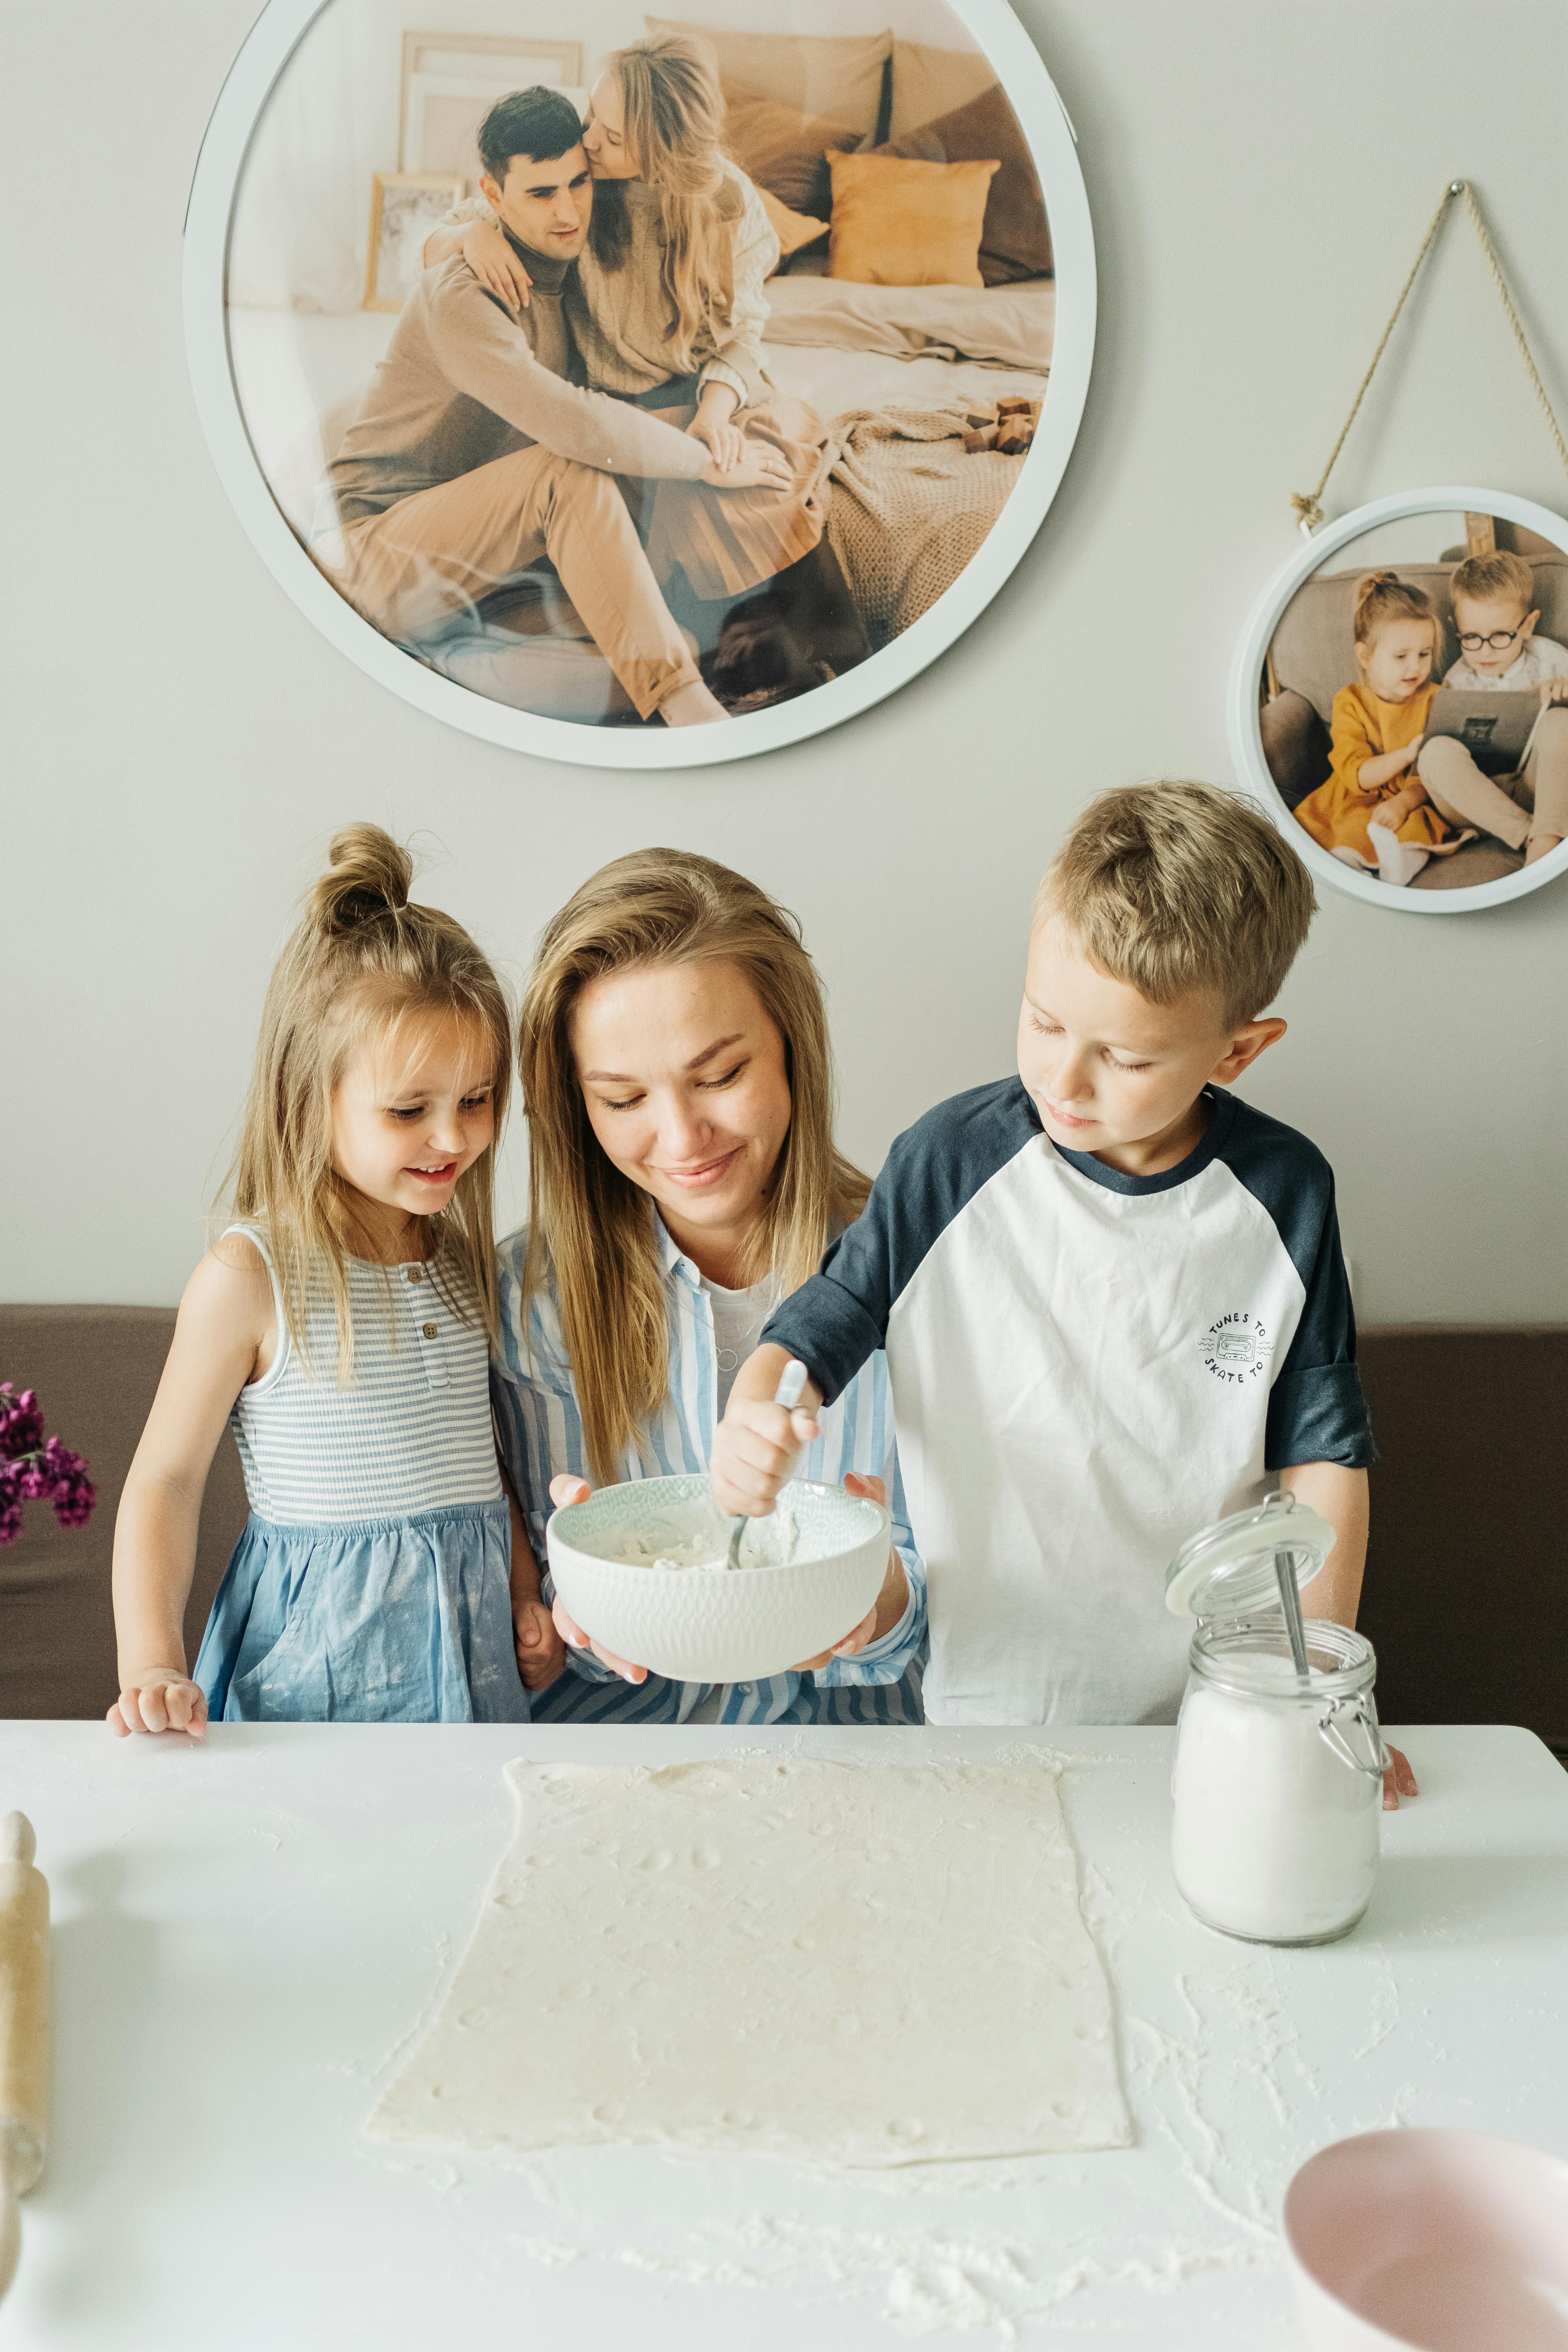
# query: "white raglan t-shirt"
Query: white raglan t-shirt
1086,1366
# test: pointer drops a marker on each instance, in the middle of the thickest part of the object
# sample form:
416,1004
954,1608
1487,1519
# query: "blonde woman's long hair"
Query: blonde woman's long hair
362,968
592,1231
674,129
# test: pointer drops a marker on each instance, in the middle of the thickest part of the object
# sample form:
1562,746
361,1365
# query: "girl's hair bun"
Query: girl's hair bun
369,878
1383,597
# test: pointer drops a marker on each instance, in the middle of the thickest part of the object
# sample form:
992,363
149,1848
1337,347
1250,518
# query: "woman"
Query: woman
682,1177
667,308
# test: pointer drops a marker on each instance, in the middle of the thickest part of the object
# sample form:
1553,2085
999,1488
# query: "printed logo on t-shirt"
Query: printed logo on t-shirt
1236,1348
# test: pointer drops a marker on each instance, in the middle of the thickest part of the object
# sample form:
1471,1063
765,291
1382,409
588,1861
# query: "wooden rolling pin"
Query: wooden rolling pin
24,2029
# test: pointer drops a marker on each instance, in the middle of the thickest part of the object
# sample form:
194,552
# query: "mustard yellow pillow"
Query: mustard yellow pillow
896,222
792,230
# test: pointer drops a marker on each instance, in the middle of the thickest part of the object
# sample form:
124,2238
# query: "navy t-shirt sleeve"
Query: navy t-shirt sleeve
838,1318
1317,1409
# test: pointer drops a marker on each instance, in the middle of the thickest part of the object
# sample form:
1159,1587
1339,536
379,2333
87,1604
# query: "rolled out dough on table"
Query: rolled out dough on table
848,1964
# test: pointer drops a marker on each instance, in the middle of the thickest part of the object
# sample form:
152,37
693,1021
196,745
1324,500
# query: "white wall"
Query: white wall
179,744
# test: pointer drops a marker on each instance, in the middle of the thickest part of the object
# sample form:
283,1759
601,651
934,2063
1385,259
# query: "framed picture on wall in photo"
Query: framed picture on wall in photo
781,332
1400,695
404,207
451,80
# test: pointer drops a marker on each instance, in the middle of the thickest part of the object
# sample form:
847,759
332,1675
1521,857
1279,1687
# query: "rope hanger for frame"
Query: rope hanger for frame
1305,506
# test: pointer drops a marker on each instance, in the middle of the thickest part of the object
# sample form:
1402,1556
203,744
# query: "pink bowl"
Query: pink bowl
1449,2241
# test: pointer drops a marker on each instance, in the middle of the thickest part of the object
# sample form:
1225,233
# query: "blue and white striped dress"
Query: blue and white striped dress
541,1431
372,1583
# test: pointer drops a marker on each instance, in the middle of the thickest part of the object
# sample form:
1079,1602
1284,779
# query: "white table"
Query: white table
247,1933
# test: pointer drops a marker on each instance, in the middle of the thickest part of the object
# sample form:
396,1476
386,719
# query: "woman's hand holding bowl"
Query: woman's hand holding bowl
563,1490
891,1602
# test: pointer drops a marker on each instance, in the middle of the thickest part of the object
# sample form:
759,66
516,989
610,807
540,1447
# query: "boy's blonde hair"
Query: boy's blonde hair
592,1229
362,967
1382,597
1500,575
1180,889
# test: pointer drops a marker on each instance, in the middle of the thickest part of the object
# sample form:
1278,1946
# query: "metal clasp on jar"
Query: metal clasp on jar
1375,1762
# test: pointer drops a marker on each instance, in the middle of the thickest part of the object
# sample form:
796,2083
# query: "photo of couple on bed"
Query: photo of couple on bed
1413,705
658,439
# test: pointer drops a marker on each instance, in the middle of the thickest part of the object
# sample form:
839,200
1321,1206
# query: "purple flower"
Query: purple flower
34,1471
21,1423
10,1505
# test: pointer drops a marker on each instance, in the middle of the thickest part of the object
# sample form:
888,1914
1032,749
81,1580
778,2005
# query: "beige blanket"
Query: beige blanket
909,508
1008,326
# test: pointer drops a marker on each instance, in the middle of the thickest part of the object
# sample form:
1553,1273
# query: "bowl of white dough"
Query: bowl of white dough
643,1568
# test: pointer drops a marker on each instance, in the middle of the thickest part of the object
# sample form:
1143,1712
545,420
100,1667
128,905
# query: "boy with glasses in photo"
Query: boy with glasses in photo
1495,615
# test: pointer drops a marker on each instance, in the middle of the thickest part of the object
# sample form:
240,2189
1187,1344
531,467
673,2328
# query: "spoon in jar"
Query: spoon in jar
791,1387
1290,1601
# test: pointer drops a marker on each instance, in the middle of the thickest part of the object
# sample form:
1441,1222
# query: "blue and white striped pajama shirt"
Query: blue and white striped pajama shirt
541,1432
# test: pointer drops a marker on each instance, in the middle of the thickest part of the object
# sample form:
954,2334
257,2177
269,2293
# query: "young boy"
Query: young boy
1501,652
1111,1294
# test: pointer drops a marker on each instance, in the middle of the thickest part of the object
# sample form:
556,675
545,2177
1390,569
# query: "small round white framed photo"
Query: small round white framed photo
633,391
1400,699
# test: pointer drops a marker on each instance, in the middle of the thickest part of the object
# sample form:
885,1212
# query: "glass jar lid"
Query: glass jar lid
1227,1570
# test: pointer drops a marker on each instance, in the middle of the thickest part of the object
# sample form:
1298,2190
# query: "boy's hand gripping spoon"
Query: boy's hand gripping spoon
23,2029
791,1387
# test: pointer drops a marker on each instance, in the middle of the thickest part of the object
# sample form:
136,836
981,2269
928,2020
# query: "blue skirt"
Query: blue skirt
379,1621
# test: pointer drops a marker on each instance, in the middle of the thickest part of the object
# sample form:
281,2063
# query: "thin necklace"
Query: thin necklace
728,1359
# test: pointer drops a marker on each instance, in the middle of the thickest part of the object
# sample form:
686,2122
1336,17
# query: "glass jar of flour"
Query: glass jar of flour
1279,1781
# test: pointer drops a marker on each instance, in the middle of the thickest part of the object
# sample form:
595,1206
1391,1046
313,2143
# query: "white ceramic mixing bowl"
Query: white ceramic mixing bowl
1446,2240
710,1624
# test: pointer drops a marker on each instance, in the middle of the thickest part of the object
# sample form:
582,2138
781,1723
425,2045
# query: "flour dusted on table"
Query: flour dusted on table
861,1965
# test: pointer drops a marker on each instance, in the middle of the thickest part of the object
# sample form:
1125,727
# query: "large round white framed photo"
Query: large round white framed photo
492,507
1402,666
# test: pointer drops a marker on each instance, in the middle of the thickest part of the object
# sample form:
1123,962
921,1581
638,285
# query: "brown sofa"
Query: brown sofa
1311,656
1465,1584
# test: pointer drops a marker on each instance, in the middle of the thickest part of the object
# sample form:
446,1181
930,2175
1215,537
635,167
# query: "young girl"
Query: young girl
1373,810
341,1323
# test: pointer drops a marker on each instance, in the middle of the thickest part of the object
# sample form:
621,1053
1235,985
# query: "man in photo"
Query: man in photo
477,449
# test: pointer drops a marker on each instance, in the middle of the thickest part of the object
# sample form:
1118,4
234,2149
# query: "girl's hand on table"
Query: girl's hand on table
494,264
857,1638
1398,1782
540,1652
563,1490
159,1698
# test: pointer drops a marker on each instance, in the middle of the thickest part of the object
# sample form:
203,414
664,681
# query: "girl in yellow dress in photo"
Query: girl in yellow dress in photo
1374,812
